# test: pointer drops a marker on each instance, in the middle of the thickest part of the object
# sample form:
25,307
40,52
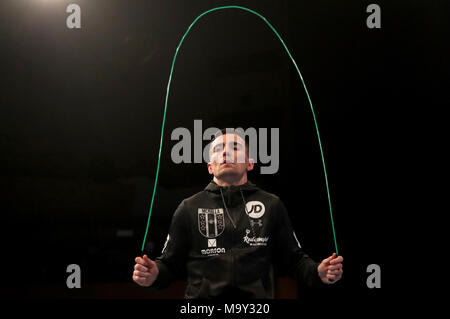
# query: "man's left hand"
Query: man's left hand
330,269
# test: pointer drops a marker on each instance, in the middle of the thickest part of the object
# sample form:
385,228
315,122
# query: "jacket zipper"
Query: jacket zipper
233,231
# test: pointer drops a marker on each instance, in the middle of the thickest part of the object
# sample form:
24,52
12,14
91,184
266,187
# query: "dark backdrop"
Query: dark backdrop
81,114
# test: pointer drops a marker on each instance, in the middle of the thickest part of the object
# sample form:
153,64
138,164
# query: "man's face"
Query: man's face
228,158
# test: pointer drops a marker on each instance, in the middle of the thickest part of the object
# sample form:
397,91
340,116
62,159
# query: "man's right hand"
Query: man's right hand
145,271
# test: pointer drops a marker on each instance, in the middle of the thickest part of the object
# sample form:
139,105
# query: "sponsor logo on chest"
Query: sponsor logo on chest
255,241
255,209
211,224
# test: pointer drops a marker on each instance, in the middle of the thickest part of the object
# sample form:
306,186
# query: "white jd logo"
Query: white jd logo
255,209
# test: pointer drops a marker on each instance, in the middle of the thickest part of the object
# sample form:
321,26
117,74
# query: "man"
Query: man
227,239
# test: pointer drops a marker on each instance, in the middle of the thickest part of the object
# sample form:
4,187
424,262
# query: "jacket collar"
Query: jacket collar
247,187
231,195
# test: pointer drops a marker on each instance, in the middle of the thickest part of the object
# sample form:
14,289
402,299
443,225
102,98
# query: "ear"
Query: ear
210,170
251,164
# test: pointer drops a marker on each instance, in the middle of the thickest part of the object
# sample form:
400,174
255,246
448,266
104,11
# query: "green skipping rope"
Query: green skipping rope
307,94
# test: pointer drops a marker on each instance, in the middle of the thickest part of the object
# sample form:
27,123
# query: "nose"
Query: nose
226,154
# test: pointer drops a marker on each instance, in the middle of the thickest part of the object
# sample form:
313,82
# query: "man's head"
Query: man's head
229,158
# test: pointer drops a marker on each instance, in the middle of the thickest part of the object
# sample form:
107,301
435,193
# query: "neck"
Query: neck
227,183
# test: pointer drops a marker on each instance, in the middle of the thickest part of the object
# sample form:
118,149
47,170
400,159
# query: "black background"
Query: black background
81,113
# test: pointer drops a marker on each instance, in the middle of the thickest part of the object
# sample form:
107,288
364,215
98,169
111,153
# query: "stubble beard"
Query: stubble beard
230,176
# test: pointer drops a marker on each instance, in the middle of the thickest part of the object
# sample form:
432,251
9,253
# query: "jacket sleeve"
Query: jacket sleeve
172,262
289,252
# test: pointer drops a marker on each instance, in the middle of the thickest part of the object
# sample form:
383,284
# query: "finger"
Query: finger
141,268
139,260
334,272
331,272
139,280
328,260
337,275
339,259
141,274
334,267
148,261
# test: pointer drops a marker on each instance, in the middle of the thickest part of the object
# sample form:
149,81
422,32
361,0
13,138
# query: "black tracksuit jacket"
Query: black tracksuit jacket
226,241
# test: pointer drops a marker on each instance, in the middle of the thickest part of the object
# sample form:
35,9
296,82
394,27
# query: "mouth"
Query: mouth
226,162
